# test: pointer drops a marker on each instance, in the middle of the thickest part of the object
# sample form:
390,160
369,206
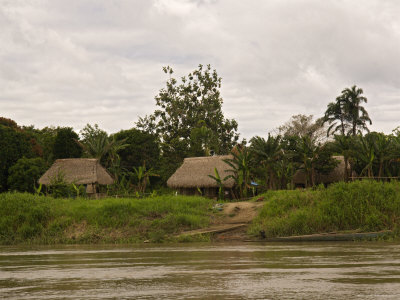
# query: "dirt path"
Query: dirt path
232,223
240,212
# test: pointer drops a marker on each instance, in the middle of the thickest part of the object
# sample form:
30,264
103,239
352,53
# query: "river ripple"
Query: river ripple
202,271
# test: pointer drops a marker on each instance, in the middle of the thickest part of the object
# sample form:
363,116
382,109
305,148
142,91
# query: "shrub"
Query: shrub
25,173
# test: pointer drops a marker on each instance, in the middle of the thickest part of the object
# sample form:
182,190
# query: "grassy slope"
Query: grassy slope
364,205
25,218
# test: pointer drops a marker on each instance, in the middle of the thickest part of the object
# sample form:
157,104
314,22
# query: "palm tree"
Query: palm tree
313,158
356,114
307,154
335,116
268,153
240,164
364,151
101,145
347,115
384,150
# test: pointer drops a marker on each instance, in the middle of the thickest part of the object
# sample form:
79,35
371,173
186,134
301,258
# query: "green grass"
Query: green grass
30,219
362,205
25,218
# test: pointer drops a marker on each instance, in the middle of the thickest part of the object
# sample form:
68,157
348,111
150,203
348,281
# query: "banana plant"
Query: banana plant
142,177
38,190
268,153
366,152
220,183
240,169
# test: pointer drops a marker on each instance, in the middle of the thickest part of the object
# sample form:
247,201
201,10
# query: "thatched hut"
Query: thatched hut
87,171
337,174
192,177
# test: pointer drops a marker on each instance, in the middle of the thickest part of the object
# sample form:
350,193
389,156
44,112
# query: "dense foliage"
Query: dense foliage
23,176
142,148
189,121
65,144
14,144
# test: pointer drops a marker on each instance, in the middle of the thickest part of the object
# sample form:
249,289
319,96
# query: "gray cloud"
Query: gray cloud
77,62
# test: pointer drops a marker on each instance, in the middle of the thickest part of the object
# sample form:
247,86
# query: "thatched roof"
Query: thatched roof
195,170
78,171
337,174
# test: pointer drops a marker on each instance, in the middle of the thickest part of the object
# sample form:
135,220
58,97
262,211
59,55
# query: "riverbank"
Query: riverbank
30,219
361,206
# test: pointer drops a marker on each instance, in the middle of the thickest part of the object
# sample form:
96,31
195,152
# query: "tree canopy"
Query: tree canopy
23,175
14,143
142,149
65,144
189,120
347,115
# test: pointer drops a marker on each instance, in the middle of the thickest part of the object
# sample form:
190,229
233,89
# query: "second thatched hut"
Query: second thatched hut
336,175
192,178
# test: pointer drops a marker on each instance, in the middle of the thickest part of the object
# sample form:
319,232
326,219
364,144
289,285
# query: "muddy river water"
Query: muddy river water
202,271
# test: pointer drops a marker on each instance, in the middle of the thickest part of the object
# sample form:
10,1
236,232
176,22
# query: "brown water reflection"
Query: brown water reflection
202,271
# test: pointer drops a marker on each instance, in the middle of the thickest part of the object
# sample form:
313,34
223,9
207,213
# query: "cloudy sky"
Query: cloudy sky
69,63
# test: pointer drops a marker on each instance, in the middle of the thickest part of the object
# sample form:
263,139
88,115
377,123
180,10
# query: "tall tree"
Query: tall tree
357,114
302,126
181,106
335,116
347,115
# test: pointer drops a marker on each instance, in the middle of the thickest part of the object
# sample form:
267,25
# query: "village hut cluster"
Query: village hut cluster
191,178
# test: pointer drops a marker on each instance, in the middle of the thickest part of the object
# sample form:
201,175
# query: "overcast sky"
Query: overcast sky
68,63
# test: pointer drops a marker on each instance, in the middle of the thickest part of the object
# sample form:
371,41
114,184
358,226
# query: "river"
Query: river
202,271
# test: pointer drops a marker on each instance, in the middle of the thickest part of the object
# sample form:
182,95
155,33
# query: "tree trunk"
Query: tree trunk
312,176
351,170
380,172
346,169
370,172
342,123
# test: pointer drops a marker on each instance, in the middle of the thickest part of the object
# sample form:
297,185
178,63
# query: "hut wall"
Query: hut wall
210,192
187,191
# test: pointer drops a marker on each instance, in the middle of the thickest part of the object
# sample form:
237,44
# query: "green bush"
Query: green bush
24,175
